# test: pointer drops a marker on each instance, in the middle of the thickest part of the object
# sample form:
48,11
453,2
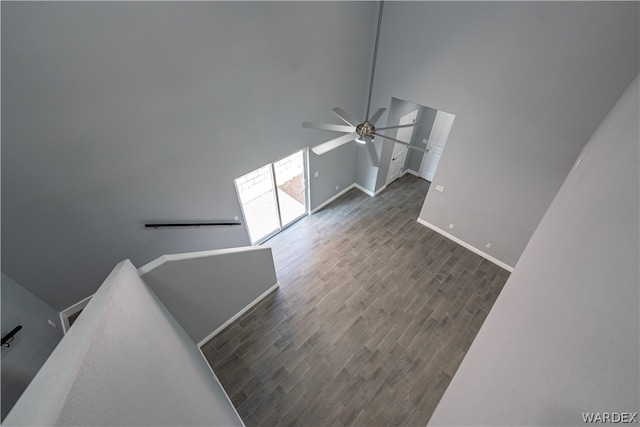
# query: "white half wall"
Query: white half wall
204,290
562,338
125,361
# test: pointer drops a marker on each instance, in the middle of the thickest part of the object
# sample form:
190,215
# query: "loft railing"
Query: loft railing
6,340
191,224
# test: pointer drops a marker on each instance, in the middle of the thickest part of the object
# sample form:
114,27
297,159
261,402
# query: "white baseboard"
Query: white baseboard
368,192
411,172
466,245
364,190
325,203
354,185
380,190
238,314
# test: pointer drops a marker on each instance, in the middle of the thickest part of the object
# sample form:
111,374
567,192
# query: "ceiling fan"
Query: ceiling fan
362,132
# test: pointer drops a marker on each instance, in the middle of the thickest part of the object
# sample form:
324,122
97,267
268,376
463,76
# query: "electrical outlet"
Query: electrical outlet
236,218
451,226
337,187
488,245
440,188
425,141
52,323
316,174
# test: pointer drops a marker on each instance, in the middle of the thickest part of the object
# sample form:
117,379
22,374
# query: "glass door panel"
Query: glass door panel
273,196
257,197
290,182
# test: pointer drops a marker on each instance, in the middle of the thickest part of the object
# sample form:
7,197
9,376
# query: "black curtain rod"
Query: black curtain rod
191,224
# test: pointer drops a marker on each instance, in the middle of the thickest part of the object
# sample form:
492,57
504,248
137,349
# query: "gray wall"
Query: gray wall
341,161
528,83
562,338
203,290
31,345
105,372
119,113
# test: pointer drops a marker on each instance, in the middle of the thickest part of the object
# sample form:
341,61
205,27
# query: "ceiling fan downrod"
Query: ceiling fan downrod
362,132
375,56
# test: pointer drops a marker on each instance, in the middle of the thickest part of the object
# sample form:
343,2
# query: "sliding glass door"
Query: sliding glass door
273,196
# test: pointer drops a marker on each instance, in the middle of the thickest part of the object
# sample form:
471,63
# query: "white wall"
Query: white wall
31,346
562,338
125,361
119,113
528,82
204,290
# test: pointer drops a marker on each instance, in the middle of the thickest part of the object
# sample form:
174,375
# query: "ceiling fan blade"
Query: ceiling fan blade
376,115
373,154
326,126
401,126
345,117
334,143
413,147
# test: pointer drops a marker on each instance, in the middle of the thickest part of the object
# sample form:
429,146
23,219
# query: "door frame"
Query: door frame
449,124
307,197
413,115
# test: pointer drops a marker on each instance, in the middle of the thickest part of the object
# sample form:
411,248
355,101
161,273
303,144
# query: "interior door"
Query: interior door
400,151
437,140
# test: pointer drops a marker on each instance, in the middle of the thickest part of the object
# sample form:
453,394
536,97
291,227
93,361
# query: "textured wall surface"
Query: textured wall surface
126,361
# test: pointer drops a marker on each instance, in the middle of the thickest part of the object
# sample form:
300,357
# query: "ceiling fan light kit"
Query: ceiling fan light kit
363,132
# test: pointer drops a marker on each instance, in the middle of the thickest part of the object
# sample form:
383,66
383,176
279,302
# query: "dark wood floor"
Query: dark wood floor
373,316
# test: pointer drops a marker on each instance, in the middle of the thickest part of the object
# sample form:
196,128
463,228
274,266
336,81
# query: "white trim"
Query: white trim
64,314
380,190
368,192
238,314
467,245
307,182
192,255
354,185
412,172
364,190
326,202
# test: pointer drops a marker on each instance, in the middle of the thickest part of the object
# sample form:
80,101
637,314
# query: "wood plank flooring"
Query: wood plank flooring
373,316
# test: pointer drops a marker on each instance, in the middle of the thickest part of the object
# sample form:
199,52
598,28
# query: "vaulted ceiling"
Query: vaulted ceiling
118,113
